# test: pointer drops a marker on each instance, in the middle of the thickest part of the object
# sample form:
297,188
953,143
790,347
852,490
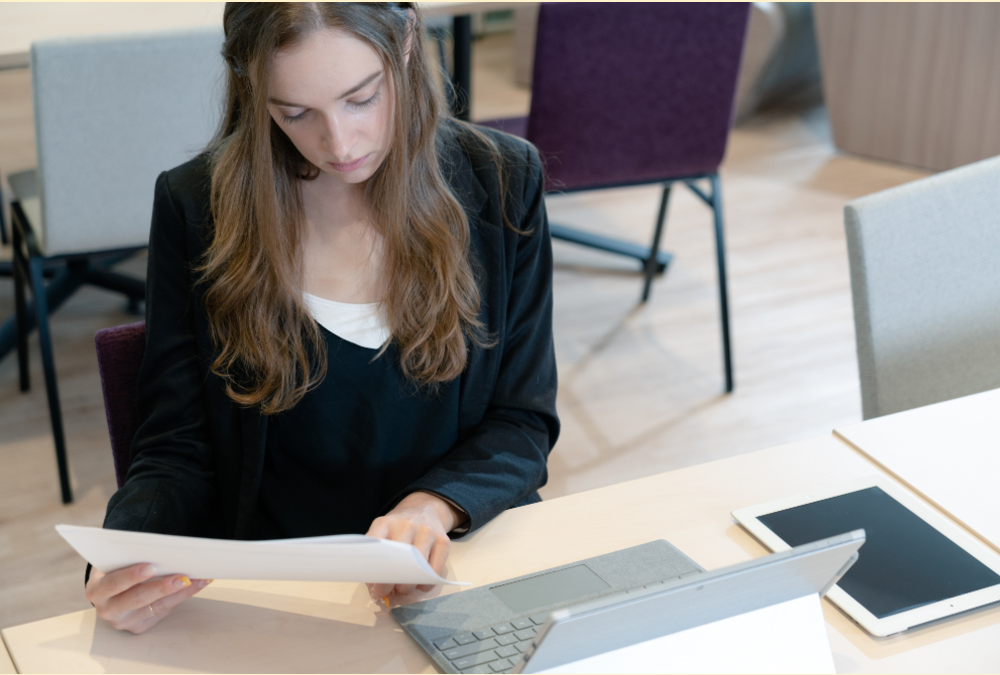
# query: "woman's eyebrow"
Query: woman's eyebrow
360,85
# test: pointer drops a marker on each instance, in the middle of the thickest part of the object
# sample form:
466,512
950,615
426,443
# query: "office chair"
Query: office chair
119,357
111,113
633,94
925,278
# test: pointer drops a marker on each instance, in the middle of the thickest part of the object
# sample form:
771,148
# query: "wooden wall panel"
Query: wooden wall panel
916,83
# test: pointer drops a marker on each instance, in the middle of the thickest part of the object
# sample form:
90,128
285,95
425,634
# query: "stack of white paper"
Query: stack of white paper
349,557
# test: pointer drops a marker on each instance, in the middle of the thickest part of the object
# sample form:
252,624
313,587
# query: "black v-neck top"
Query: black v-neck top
334,461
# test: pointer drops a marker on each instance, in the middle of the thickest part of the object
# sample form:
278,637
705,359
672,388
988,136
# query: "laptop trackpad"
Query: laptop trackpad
550,588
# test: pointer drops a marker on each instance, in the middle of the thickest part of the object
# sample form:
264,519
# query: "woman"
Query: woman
348,309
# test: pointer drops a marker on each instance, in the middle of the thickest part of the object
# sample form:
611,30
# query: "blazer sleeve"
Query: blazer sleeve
170,487
502,463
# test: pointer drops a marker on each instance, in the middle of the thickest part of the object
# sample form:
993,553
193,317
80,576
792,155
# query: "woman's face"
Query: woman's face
331,95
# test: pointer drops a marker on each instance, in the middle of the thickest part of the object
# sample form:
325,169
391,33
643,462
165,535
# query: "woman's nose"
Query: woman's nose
339,138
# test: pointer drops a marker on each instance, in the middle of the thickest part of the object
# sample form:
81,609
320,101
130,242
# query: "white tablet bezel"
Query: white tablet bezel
748,518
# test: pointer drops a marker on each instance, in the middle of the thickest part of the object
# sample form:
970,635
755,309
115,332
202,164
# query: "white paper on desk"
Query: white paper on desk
347,557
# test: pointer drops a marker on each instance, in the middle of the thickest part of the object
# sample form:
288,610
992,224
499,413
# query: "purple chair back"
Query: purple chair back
119,357
627,93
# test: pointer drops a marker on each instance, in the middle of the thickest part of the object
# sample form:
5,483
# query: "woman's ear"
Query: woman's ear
411,28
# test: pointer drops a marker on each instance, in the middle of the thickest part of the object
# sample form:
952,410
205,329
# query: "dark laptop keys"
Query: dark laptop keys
445,645
493,649
526,634
469,649
479,659
464,638
507,639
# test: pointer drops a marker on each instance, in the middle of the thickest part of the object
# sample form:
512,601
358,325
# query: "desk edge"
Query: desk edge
912,488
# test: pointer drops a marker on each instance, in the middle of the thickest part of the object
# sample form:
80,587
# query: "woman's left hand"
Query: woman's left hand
421,519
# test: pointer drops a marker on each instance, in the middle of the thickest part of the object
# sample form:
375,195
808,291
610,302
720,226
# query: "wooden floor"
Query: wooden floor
640,385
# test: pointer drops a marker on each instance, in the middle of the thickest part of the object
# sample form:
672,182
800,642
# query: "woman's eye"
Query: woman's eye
294,118
368,102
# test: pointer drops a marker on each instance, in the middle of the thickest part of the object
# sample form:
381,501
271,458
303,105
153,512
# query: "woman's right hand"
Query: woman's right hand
131,599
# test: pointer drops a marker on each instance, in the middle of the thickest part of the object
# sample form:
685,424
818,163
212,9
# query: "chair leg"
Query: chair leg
20,273
440,36
654,249
3,222
461,35
51,389
720,253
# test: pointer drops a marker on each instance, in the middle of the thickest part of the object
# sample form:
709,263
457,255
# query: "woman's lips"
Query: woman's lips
350,166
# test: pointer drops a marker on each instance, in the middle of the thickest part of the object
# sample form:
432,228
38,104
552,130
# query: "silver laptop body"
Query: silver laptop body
624,619
487,629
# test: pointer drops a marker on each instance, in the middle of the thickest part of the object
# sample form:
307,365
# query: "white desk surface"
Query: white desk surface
22,23
328,627
6,665
949,453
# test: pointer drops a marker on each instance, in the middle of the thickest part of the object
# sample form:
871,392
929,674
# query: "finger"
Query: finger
424,540
439,554
382,592
143,618
144,594
396,529
114,583
437,560
164,605
379,528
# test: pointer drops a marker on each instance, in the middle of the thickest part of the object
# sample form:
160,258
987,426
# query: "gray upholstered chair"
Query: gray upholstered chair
925,275
111,113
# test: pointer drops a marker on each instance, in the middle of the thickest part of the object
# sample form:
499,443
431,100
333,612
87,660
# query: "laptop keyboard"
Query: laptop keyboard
491,650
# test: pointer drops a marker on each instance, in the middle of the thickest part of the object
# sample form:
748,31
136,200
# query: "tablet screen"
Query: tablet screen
905,563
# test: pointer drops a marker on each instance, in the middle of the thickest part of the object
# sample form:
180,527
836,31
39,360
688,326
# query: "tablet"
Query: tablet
916,565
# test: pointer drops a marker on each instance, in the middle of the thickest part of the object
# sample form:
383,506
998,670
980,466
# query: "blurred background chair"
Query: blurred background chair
632,94
925,277
111,113
119,357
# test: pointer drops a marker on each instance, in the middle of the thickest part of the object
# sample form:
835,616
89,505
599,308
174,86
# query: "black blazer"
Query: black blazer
197,456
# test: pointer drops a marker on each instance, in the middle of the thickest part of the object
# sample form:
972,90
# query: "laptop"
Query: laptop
568,613
487,629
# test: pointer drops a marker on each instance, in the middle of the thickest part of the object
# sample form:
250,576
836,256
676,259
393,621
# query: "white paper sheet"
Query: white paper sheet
349,557
789,637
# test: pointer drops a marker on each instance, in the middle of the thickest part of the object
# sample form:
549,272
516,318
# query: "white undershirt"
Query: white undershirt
364,324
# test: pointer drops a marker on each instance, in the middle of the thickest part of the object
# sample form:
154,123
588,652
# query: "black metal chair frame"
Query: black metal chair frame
654,261
65,274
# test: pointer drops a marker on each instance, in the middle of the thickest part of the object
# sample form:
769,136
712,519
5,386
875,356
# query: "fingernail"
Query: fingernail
385,599
182,582
204,582
148,570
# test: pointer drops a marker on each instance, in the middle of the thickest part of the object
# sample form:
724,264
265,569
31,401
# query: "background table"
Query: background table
6,665
22,23
246,626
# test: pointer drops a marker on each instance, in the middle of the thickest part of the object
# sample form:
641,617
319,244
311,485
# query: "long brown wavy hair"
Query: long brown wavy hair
269,350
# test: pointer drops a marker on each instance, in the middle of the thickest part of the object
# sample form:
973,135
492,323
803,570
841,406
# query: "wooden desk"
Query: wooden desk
326,627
